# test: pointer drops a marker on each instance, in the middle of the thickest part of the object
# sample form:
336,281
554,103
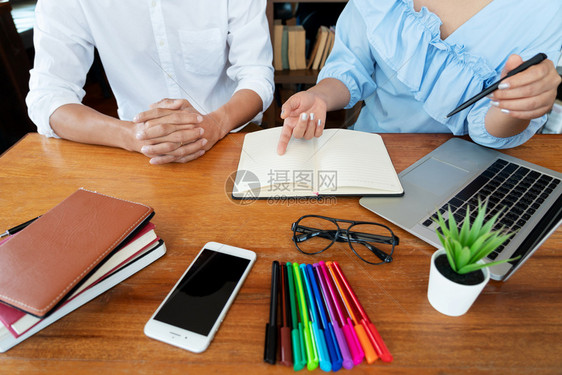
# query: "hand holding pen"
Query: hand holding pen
526,90
530,93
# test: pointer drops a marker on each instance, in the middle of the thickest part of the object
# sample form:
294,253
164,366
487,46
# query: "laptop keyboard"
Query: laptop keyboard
516,189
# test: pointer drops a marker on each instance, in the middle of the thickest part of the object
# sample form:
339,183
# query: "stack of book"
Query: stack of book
289,47
82,247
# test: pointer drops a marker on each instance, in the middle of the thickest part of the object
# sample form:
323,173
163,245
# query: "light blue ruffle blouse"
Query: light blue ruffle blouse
394,59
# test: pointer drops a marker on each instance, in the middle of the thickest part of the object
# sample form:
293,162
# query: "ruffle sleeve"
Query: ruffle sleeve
390,36
410,44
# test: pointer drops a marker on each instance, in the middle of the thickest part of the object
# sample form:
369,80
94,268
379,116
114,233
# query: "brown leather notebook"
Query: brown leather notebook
40,265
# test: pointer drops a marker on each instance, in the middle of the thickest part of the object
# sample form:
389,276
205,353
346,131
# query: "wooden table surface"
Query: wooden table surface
514,327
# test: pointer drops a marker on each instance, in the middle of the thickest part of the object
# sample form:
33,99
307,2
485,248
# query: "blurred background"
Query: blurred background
16,59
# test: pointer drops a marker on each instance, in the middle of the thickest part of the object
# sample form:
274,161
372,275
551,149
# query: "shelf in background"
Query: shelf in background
306,76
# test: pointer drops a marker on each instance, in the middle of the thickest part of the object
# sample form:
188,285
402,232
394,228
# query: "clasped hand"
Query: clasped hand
173,131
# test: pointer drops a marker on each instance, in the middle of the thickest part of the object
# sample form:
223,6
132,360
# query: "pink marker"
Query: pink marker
353,343
347,361
372,333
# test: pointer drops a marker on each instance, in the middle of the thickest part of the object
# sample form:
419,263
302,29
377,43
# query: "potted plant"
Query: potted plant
458,273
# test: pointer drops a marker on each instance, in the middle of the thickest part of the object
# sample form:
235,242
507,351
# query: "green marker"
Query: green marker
309,344
299,356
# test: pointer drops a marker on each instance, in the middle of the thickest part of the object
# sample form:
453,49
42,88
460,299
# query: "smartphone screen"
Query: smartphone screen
202,293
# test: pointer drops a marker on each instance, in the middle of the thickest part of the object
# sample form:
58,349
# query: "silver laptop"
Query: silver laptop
459,173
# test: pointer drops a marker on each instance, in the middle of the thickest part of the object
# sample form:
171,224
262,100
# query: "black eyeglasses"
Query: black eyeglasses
365,238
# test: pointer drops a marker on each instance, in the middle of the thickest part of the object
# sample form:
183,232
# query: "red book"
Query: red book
18,322
53,255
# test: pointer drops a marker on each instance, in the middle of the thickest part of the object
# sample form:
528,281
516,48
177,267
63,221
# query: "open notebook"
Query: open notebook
340,162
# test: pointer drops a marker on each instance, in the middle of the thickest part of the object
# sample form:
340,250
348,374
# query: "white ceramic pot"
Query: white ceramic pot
449,297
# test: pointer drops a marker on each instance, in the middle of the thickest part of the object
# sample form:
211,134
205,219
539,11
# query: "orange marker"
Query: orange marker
370,354
374,336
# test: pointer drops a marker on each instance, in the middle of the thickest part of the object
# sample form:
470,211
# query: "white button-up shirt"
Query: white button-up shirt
202,51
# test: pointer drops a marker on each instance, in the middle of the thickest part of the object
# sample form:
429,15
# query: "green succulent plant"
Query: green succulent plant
474,241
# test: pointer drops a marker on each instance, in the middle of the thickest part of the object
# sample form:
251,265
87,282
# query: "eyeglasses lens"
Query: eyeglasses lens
314,234
373,243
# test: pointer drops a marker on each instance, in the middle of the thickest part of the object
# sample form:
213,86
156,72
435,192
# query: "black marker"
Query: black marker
17,228
270,351
526,64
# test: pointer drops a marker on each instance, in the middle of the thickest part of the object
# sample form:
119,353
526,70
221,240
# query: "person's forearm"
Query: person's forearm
239,110
333,92
80,123
502,125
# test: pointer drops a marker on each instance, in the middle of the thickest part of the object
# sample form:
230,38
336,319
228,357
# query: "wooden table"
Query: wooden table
513,327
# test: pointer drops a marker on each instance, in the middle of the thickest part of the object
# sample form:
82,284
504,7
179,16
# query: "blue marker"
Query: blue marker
324,357
333,324
333,350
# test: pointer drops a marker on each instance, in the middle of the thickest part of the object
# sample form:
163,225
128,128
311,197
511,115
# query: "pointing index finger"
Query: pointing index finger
284,139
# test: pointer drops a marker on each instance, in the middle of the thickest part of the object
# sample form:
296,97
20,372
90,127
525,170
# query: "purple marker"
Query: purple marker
355,348
340,338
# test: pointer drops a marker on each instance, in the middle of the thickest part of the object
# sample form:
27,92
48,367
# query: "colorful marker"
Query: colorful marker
309,344
333,324
297,339
355,349
372,332
331,344
285,327
368,348
270,351
318,334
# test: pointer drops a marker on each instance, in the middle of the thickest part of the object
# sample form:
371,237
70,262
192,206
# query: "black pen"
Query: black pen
270,351
526,64
17,228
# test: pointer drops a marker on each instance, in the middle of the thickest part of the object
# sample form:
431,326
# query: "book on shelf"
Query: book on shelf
340,162
83,246
320,46
314,50
278,45
329,46
297,47
285,47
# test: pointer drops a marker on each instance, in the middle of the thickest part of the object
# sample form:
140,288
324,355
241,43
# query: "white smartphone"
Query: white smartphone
192,312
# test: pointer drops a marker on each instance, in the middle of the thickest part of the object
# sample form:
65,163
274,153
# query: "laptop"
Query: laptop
460,172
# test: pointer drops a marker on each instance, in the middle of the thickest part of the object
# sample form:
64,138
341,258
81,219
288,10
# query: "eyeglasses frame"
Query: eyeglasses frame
345,235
